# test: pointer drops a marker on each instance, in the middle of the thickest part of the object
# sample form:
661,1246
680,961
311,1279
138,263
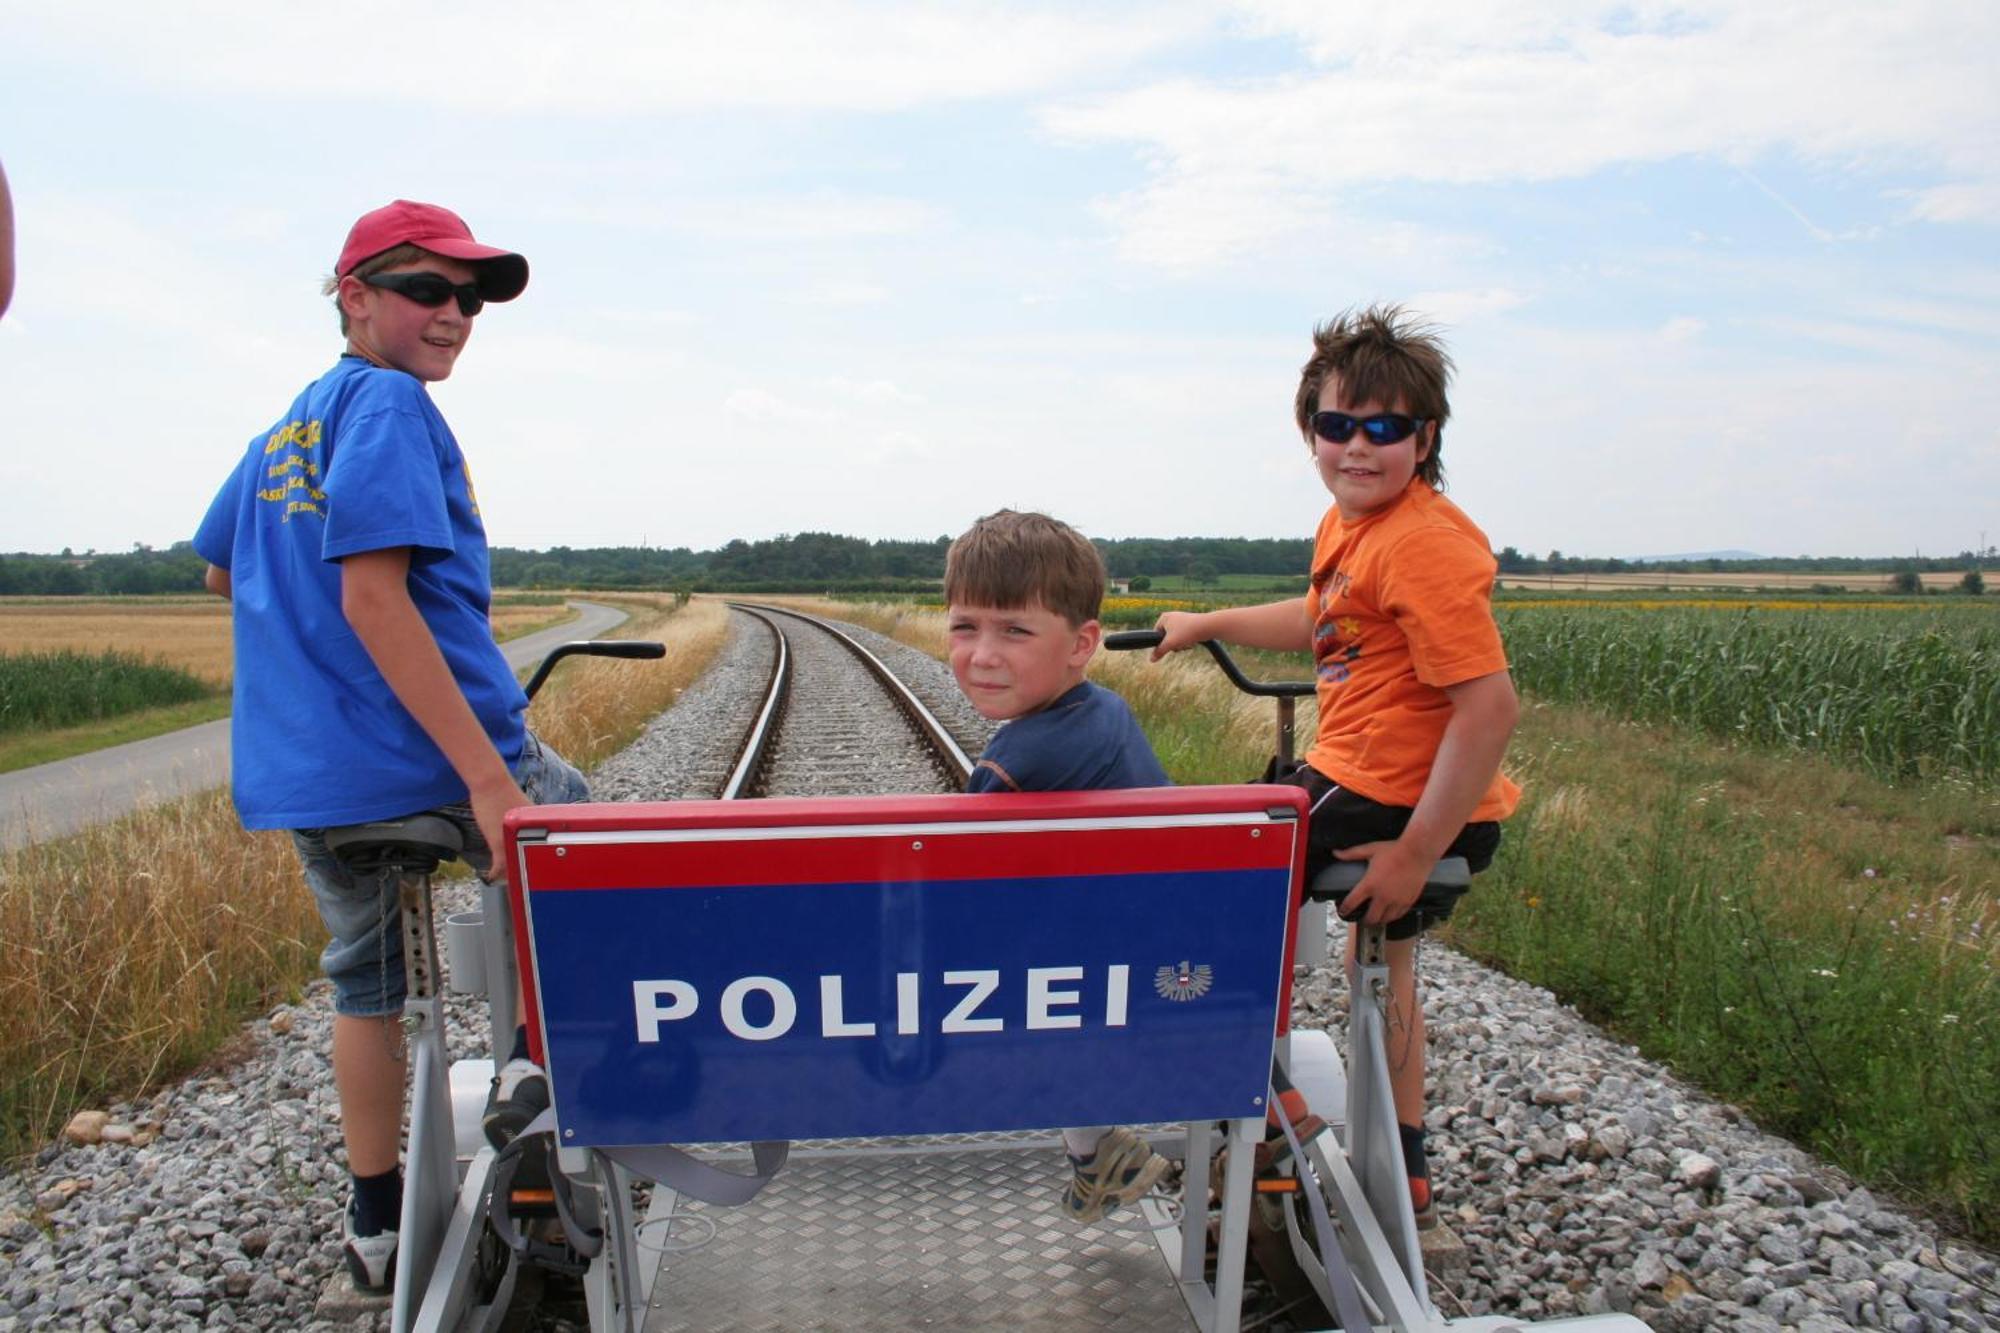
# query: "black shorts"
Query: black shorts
1341,818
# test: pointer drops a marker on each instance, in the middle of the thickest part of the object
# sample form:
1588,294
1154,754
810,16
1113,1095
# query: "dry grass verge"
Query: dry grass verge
136,948
133,948
592,707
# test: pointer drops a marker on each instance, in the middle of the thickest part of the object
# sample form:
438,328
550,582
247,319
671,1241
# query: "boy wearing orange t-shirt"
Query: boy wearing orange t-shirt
1415,701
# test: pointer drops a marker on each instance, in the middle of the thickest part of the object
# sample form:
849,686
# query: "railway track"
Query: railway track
836,721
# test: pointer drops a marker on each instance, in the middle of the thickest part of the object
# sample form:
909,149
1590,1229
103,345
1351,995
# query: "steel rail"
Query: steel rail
944,749
756,745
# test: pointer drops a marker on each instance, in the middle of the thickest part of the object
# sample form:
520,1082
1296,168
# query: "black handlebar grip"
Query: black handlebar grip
625,648
592,648
1125,640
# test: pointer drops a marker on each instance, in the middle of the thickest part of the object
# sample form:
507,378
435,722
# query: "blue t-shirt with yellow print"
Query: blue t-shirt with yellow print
362,461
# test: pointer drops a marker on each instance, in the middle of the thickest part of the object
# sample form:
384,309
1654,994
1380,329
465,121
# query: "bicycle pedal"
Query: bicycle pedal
1273,1153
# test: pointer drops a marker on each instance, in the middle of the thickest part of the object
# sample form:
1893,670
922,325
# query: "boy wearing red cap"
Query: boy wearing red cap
367,683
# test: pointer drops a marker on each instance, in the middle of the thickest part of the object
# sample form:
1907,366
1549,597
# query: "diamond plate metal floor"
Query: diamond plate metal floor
945,1235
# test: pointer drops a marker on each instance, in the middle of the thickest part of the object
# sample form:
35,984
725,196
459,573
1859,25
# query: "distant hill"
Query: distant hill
1694,555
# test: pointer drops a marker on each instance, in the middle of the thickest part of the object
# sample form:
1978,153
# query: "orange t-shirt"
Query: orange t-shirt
1402,607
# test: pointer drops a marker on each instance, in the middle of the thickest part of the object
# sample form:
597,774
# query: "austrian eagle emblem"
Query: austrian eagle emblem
1184,982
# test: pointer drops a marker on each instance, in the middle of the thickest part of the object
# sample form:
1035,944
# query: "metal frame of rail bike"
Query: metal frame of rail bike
1350,1226
452,1270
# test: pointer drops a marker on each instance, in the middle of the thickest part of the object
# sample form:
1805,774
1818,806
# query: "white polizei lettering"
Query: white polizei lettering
1115,980
650,1013
1041,998
784,1008
1048,1005
832,1020
960,1018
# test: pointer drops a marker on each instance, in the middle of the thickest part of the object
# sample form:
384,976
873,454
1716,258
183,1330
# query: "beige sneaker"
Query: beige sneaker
1123,1169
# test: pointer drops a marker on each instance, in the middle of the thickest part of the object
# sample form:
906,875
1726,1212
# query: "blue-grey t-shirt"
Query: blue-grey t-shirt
1086,739
362,461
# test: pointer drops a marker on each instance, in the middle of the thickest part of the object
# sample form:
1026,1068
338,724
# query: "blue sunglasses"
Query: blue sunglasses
1382,428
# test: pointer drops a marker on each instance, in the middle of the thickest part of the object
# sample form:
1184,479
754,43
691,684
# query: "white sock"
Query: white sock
1082,1143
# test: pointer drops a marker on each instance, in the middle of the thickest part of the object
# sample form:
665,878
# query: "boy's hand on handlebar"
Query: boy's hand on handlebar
1390,888
1180,630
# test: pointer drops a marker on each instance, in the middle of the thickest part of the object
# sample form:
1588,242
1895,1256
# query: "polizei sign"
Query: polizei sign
707,972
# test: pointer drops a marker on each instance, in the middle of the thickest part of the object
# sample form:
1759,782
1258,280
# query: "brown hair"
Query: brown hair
394,257
1010,559
1385,355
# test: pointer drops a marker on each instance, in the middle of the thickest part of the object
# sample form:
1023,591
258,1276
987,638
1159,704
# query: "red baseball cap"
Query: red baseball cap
501,273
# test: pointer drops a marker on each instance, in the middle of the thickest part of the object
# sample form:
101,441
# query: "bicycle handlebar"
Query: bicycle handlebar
1127,640
592,648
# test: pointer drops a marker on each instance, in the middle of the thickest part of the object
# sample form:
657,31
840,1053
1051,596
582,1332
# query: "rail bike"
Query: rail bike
805,1054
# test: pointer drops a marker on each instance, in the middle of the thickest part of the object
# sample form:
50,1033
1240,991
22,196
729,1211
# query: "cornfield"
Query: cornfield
40,691
1907,695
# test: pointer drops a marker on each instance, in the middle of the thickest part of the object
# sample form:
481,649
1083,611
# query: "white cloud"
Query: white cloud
1465,306
1452,93
1639,445
900,447
1682,328
1960,201
844,291
516,56
1891,346
873,393
767,409
810,215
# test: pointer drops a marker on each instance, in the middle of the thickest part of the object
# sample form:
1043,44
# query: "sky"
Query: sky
1714,275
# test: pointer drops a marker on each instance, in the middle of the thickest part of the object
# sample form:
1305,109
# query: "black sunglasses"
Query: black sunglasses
431,289
1382,428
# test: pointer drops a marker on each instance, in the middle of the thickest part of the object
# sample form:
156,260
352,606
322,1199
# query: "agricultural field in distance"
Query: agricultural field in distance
189,634
1799,582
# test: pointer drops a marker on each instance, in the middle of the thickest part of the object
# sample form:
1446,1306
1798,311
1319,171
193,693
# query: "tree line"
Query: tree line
1555,562
824,560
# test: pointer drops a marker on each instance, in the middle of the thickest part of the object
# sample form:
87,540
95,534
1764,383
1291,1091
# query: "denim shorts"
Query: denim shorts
364,958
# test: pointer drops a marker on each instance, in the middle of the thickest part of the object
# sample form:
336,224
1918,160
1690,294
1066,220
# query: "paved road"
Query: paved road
53,799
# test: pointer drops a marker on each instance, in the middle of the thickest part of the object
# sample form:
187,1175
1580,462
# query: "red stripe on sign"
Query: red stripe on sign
836,811
723,843
933,855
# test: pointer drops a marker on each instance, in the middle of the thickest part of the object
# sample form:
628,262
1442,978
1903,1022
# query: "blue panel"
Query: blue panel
685,1059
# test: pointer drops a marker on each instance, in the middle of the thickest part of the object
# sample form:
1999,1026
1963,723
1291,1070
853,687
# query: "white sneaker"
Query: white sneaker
520,1093
371,1260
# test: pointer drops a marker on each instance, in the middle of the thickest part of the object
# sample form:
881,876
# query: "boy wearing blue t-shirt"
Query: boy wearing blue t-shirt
367,683
1023,593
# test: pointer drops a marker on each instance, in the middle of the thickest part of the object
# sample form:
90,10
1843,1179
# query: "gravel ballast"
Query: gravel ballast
1581,1177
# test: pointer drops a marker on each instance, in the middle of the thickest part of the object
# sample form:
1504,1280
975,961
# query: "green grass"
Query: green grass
1906,693
1797,937
46,747
65,688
